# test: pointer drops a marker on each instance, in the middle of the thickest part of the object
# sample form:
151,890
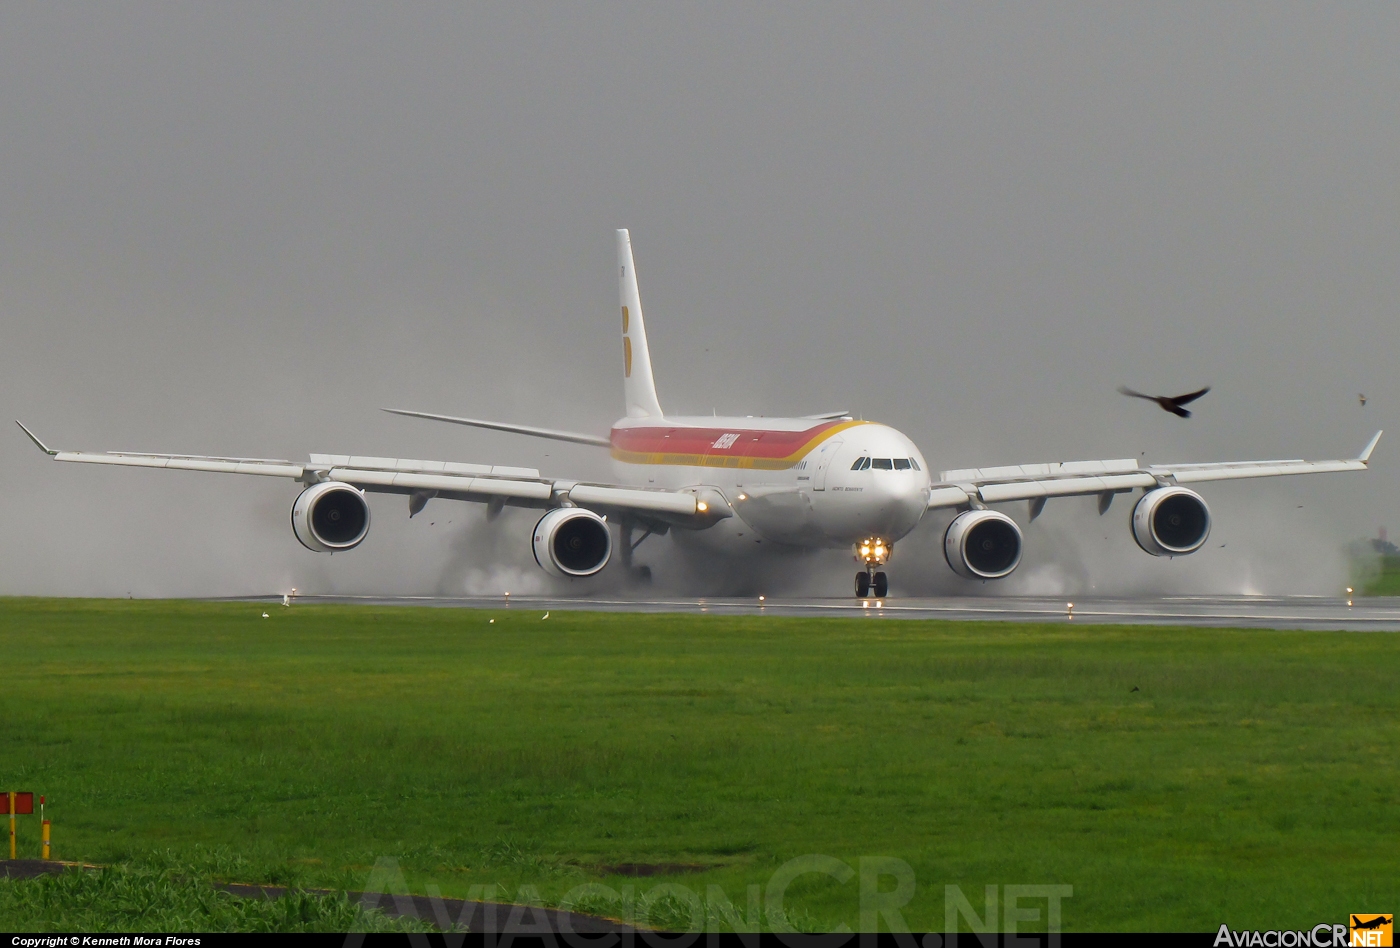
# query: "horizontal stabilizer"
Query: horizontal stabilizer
550,433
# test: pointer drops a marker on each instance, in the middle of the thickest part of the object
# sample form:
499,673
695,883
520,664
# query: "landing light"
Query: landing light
702,506
743,496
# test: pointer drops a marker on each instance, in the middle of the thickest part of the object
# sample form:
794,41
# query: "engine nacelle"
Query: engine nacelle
330,517
982,544
1171,521
571,542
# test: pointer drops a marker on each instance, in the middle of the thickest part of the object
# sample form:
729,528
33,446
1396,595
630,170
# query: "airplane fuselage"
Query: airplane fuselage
795,482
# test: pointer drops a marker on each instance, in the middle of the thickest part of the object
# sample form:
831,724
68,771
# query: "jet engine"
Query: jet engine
571,542
982,544
1171,521
330,517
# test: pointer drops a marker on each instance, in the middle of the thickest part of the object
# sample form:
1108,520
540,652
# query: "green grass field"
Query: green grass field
1386,580
161,893
1176,778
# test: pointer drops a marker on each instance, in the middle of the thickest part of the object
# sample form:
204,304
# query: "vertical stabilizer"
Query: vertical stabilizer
637,384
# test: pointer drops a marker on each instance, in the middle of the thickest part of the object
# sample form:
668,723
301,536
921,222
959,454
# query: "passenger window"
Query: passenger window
882,464
901,464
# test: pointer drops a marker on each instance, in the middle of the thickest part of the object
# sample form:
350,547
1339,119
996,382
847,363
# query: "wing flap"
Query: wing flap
1201,474
655,501
1054,469
1063,487
412,465
265,468
404,482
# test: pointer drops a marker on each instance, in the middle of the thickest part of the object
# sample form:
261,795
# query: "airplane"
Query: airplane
731,486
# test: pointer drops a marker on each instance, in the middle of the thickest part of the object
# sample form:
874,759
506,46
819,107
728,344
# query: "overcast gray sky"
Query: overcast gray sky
243,228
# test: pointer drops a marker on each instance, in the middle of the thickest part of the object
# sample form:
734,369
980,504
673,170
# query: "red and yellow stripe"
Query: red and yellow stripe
696,447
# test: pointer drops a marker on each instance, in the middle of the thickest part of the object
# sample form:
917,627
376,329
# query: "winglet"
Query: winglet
1365,452
50,451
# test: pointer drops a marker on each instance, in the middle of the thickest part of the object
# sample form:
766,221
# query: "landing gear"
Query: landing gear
871,554
867,584
638,574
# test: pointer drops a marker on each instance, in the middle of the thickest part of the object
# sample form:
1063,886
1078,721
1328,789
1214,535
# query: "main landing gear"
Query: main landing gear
638,574
872,554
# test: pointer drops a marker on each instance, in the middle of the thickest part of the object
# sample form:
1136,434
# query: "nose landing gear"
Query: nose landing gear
872,554
872,584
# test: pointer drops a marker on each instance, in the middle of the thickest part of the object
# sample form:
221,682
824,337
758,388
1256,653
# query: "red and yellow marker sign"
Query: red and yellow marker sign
16,803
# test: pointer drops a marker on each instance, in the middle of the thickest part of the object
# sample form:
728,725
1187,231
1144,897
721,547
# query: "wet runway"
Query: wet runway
1263,612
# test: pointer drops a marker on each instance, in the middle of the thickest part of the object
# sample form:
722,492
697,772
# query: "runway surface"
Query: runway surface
1262,612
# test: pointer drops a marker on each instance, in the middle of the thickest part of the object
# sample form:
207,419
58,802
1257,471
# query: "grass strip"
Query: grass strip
1176,778
161,893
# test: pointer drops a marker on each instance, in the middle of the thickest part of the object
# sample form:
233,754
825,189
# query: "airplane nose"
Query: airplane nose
901,504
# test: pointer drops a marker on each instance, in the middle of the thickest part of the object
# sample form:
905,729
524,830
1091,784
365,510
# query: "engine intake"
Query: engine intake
982,544
571,542
1171,521
330,517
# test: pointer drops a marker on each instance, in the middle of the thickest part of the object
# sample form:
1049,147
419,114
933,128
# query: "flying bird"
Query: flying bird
1171,403
1362,399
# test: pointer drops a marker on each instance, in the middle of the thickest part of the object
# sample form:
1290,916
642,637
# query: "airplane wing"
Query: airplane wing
1035,482
513,486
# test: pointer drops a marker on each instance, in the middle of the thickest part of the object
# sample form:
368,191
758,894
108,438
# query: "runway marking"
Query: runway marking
1283,612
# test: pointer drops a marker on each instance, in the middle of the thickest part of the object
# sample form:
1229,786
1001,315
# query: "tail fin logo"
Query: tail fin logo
626,343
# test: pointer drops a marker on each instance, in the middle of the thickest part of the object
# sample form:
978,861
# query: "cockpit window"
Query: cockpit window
885,464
